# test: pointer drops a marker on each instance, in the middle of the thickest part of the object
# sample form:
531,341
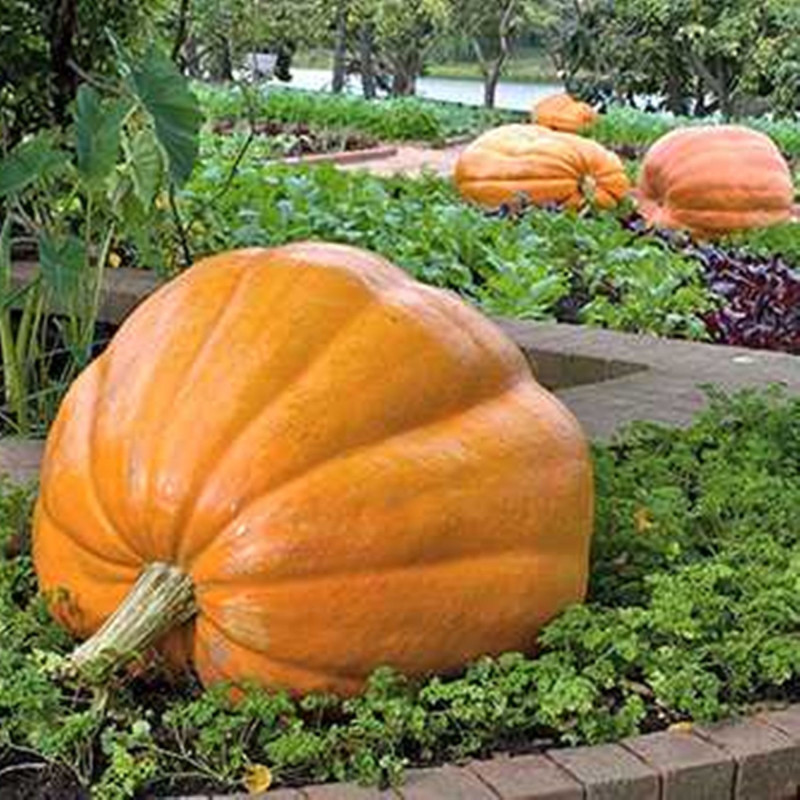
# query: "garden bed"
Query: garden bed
398,119
299,138
600,269
690,617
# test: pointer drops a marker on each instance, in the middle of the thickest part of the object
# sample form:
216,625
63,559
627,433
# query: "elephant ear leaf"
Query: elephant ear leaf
30,161
175,110
147,166
97,126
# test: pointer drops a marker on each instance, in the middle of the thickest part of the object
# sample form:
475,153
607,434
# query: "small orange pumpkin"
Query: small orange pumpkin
561,112
713,179
542,165
295,465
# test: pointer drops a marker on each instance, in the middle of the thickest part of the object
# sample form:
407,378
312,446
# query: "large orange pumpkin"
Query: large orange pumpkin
541,165
715,179
561,112
317,466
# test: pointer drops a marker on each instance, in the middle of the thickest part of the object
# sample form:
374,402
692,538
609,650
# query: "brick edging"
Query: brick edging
749,758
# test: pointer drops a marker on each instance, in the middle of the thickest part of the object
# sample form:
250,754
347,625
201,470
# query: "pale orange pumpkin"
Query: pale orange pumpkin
314,466
561,112
714,179
542,166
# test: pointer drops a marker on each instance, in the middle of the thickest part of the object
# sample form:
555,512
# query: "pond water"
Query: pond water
511,95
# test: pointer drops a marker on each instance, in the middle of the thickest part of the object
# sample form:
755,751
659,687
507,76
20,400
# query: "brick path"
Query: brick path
411,160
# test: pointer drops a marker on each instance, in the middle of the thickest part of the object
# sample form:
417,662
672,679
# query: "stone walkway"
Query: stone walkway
411,160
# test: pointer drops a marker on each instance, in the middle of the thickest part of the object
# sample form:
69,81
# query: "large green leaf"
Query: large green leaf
147,166
62,260
28,162
165,93
97,126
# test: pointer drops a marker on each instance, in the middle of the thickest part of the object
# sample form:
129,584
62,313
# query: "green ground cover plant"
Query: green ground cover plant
692,615
395,119
540,265
635,131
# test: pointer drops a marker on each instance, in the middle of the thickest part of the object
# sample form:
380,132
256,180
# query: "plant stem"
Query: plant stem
90,323
179,227
161,599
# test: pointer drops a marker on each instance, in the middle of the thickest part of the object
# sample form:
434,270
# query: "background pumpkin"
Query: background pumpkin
333,466
561,112
545,166
715,179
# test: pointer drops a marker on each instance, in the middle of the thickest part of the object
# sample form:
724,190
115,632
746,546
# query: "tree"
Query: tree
340,47
48,44
490,27
689,56
222,31
405,32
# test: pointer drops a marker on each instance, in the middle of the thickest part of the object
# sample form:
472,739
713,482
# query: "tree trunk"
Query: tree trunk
340,49
63,25
404,75
490,81
403,83
191,58
225,65
366,56
181,32
493,68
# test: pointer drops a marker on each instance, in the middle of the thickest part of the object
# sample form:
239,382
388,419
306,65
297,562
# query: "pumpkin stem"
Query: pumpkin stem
588,187
161,598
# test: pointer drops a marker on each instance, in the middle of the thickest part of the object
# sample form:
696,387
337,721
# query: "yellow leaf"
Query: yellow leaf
642,520
683,727
114,260
257,778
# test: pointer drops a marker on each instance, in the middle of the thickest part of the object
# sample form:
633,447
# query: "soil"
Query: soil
26,777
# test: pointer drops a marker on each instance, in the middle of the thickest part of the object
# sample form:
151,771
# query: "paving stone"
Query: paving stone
689,766
531,777
20,458
123,289
768,761
609,772
785,719
345,157
344,791
277,794
412,160
444,783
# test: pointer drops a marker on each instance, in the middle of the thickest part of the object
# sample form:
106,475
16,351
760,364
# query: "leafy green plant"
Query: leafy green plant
634,130
405,118
73,196
691,615
540,265
779,240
